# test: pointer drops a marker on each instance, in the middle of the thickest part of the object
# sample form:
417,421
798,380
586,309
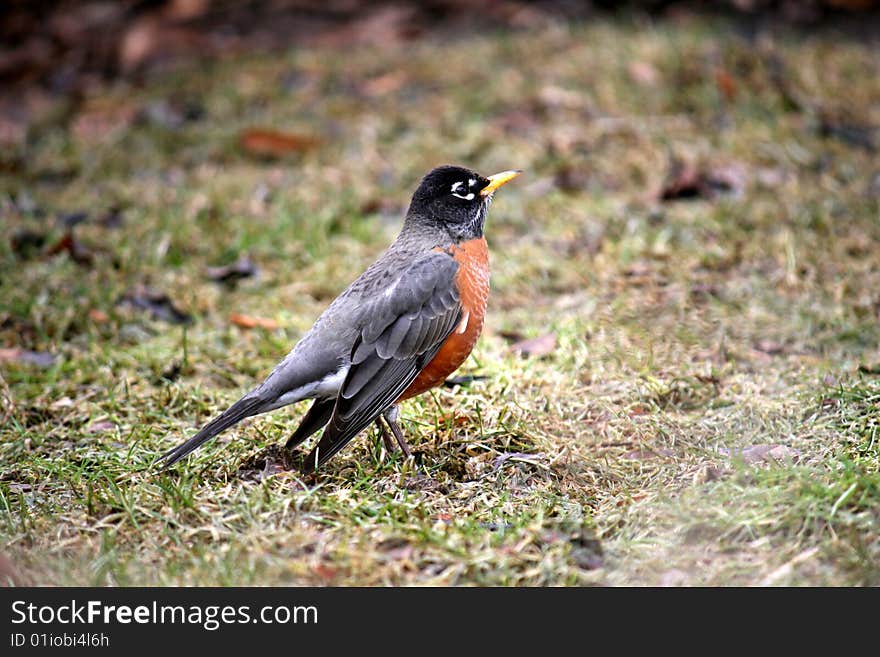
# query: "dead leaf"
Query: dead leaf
249,322
572,179
102,426
517,457
554,97
272,143
686,180
454,419
384,84
182,10
26,243
39,359
643,73
540,346
73,247
757,453
326,573
98,316
848,131
231,274
150,38
158,304
770,347
383,27
725,83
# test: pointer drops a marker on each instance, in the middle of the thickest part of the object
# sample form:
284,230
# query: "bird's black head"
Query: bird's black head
456,200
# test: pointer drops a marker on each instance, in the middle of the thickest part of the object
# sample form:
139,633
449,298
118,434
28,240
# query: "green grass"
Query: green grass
687,332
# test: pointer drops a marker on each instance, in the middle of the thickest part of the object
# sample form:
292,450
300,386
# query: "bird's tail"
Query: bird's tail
244,407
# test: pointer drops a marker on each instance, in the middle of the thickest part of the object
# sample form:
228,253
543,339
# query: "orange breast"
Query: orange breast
473,287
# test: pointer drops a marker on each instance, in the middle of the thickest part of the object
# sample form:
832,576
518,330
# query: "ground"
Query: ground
693,244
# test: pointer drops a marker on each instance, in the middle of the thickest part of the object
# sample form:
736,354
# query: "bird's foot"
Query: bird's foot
386,438
391,418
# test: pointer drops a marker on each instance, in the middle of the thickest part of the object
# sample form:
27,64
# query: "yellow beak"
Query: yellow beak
499,179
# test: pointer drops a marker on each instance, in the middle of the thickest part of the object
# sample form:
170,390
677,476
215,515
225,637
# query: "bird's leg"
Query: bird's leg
389,445
391,418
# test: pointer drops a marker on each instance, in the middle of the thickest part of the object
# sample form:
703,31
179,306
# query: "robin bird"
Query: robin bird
402,327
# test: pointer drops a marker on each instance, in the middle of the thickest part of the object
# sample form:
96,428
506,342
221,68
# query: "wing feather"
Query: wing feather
404,331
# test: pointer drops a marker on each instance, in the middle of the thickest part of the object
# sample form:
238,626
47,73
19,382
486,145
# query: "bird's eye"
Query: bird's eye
462,190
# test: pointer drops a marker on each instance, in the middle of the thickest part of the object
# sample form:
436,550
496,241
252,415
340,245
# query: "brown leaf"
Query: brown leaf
455,419
540,346
231,274
98,316
572,179
686,180
158,304
384,84
80,254
182,10
383,27
273,143
643,73
249,322
153,37
39,359
326,573
725,83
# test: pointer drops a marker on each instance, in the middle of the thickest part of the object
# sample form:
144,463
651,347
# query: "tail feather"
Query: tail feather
317,416
244,407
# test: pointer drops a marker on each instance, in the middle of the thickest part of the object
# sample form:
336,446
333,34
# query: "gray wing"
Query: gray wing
404,330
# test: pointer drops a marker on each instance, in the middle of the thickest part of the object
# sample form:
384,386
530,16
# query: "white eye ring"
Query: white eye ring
467,197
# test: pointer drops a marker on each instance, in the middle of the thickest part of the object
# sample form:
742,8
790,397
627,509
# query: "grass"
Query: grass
709,413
